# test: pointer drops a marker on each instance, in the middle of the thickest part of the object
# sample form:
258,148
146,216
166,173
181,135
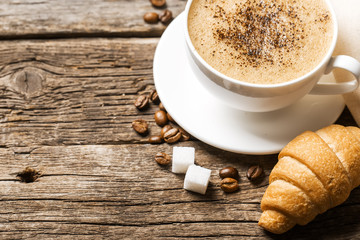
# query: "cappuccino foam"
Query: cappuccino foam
261,41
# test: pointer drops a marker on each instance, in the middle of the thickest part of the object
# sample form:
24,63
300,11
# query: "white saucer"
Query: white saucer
211,121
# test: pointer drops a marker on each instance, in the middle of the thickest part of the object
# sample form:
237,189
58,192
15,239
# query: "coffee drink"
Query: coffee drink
261,41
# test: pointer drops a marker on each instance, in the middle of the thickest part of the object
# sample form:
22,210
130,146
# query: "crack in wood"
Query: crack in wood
216,236
129,224
89,35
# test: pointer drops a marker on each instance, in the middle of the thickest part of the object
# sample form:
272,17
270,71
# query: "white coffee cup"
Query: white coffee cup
268,97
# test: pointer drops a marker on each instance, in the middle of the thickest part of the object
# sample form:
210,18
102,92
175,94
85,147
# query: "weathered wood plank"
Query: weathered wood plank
67,18
119,192
66,108
87,87
80,91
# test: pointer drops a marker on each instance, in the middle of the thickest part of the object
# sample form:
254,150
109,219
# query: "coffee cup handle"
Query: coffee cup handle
344,62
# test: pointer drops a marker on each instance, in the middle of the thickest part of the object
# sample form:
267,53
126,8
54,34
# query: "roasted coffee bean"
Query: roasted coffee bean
172,136
229,172
161,107
162,158
166,17
254,172
185,136
158,3
140,126
155,139
164,130
142,102
161,118
154,97
151,17
170,118
229,185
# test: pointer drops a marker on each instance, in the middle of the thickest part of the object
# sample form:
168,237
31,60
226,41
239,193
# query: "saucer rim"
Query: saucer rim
212,142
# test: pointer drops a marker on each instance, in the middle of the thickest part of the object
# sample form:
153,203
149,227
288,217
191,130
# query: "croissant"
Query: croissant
315,172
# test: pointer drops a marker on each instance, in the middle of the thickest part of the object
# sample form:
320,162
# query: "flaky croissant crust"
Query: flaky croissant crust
316,171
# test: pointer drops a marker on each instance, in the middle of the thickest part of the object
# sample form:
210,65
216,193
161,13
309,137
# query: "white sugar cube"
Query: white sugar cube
182,158
197,179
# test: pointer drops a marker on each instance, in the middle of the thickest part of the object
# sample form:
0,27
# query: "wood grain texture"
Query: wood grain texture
67,18
83,94
76,91
66,108
119,192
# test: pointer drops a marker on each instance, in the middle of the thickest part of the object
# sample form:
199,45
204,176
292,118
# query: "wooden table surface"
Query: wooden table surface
70,72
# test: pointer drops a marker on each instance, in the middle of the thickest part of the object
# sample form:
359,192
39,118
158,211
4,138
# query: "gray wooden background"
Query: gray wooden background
70,72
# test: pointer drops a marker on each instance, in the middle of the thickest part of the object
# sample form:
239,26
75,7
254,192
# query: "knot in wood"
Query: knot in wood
27,81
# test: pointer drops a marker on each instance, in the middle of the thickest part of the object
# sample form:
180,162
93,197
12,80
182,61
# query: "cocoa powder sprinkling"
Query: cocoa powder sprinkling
257,29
